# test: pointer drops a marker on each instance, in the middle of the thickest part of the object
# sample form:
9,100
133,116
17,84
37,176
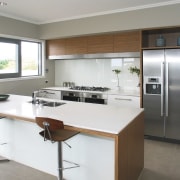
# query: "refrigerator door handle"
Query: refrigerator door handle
167,88
162,89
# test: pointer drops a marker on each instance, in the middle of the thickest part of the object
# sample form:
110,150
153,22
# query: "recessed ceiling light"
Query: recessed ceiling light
3,4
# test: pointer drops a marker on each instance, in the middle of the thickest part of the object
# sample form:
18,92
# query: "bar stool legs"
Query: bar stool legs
60,162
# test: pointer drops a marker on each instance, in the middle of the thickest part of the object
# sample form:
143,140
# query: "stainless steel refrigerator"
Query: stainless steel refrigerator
161,93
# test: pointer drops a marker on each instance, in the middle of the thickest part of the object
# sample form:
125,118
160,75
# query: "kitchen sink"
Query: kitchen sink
48,103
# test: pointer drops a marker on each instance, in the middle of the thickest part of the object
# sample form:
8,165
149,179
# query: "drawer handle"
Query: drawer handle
47,92
123,99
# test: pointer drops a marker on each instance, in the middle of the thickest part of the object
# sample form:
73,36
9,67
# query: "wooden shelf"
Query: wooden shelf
170,35
163,47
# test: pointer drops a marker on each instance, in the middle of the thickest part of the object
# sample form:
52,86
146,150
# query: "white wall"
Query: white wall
96,72
137,19
18,28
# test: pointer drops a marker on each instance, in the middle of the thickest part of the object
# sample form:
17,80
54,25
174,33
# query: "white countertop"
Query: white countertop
97,117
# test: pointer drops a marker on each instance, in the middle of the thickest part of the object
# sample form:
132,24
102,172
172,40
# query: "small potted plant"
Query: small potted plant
117,72
135,70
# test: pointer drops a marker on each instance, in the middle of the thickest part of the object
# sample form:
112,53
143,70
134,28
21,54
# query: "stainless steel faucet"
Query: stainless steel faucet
34,96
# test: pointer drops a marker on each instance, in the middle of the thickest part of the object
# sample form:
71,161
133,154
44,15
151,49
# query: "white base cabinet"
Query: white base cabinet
124,101
94,154
6,134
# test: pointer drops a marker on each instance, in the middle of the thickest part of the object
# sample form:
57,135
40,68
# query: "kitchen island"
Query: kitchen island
110,145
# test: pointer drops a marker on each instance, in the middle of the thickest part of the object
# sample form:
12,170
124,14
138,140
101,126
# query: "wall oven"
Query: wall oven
84,96
71,96
95,98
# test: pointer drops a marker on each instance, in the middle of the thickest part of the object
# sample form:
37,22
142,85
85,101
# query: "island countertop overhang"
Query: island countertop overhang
93,117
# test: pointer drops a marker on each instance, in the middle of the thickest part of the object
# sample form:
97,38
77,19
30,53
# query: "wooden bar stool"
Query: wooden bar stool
55,132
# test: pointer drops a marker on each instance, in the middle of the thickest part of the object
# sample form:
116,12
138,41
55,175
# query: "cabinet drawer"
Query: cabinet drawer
124,101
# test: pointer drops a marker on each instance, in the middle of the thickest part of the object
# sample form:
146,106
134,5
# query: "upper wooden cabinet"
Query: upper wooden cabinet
109,43
77,45
127,42
170,35
55,47
100,44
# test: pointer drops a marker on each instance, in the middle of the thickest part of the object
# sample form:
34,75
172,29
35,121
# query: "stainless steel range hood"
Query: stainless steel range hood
97,56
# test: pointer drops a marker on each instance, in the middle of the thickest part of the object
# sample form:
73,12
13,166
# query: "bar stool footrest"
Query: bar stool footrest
75,165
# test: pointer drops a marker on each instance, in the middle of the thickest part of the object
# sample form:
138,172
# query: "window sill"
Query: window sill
21,78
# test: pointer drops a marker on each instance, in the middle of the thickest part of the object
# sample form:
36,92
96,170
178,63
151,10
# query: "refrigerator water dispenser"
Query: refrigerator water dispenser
152,85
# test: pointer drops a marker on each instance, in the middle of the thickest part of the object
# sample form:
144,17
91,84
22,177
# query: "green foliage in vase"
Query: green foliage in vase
134,70
116,71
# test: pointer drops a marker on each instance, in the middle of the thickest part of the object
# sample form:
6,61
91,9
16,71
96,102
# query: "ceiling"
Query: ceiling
47,11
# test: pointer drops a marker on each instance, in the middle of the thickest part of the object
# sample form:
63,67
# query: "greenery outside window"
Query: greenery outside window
20,58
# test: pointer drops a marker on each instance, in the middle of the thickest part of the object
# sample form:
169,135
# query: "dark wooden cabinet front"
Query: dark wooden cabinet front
76,45
127,42
100,44
107,43
55,47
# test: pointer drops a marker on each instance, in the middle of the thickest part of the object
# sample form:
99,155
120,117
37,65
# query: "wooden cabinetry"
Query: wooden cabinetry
100,44
109,43
76,45
170,35
55,47
127,42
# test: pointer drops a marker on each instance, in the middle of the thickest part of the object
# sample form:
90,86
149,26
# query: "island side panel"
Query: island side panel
121,156
129,150
136,148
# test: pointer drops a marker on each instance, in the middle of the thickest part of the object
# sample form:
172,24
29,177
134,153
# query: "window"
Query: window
20,58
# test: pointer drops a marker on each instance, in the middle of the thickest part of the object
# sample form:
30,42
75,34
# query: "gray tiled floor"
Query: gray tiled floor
15,171
162,162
